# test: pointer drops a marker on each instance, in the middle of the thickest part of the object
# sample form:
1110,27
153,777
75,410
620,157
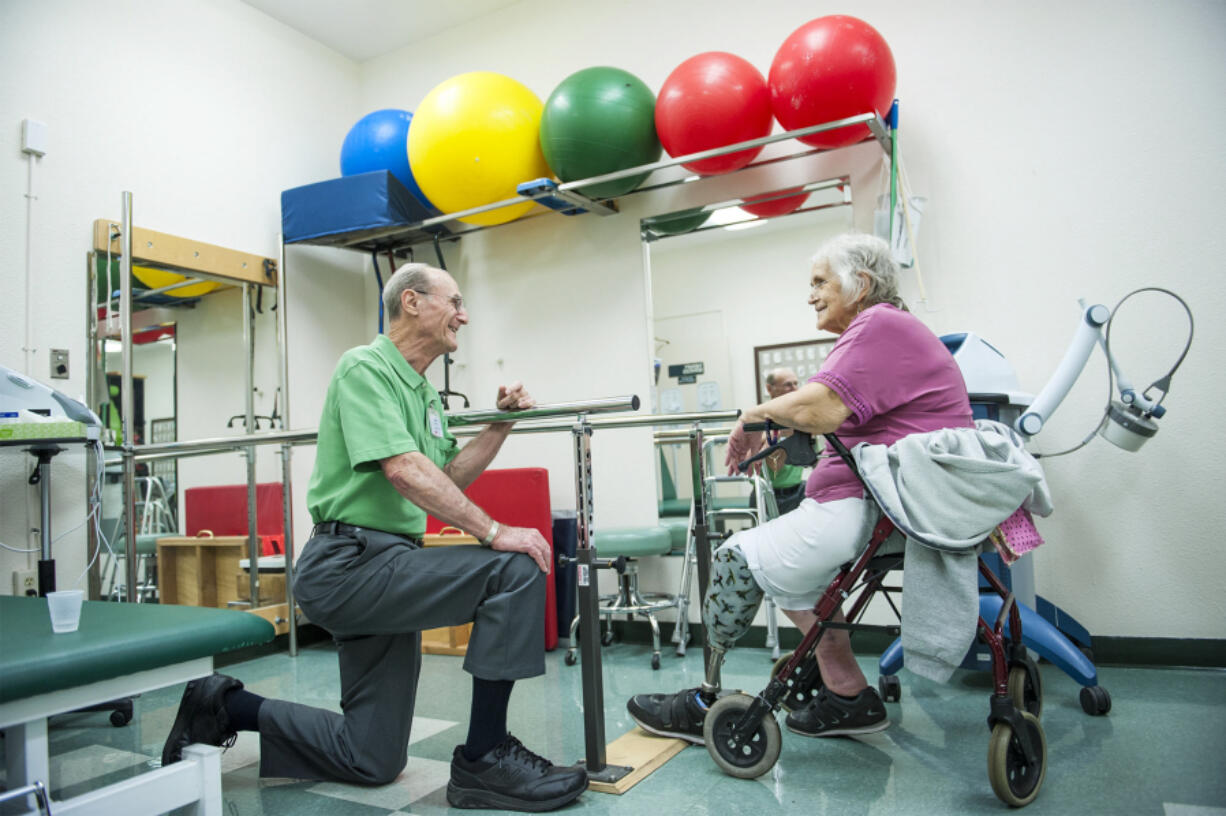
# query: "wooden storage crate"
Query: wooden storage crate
200,572
448,640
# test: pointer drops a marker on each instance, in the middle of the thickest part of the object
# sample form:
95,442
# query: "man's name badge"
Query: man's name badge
436,422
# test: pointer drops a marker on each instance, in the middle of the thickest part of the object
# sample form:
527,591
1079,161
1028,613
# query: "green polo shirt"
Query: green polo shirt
786,476
377,406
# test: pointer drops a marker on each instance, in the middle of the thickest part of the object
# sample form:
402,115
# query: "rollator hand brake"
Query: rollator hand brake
798,446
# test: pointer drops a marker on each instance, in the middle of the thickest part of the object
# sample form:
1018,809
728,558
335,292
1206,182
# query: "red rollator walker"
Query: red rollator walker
741,731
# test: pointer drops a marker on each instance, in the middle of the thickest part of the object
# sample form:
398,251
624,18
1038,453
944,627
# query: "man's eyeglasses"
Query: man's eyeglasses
457,301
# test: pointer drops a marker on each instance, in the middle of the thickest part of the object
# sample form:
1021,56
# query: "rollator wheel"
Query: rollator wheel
570,659
747,759
1026,688
120,718
890,687
1095,700
1013,781
606,638
655,662
802,685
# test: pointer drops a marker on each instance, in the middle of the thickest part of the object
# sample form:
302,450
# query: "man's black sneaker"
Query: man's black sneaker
677,715
510,777
202,717
830,715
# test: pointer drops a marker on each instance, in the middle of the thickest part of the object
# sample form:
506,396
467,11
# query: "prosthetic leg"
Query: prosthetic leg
733,598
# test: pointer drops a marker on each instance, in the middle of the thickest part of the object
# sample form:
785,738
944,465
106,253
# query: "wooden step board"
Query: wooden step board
641,751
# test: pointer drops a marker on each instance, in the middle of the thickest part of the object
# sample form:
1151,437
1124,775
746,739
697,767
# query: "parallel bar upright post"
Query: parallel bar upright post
702,543
287,493
253,538
588,602
127,399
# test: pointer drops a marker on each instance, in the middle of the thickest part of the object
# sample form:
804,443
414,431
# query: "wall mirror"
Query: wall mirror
154,399
725,280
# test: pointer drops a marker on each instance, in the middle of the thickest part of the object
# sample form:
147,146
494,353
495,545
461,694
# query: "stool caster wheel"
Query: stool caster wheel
119,719
890,688
570,659
606,638
1095,700
655,662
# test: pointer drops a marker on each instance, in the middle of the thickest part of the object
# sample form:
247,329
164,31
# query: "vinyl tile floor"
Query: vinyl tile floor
1160,750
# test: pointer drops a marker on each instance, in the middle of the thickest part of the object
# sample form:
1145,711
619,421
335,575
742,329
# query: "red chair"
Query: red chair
519,497
222,509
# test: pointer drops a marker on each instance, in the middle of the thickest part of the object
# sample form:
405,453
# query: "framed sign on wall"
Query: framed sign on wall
804,357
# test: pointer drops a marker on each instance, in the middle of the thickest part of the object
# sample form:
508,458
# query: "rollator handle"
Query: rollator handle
798,446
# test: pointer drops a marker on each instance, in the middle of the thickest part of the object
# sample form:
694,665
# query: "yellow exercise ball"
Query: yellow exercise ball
157,278
473,140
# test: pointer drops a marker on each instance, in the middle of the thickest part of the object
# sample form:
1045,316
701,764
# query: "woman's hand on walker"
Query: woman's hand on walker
741,446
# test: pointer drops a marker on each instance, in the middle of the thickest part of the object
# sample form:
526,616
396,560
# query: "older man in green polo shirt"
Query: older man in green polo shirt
385,459
788,481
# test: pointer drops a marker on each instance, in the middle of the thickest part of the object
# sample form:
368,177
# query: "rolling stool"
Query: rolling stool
632,543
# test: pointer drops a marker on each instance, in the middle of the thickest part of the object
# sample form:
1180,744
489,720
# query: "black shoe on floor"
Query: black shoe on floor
510,777
202,717
677,715
830,715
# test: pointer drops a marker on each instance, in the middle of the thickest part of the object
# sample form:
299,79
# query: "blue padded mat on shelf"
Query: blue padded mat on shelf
362,203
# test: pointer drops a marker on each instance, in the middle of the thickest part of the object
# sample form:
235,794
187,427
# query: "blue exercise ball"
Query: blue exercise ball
379,141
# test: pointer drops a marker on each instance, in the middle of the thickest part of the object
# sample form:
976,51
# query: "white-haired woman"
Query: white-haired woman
887,376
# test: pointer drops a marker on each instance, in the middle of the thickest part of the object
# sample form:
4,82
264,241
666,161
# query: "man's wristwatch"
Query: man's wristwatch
488,541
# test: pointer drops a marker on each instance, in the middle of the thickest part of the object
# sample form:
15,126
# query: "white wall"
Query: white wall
205,110
1068,150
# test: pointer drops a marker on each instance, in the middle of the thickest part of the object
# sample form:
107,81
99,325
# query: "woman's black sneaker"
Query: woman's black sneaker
510,777
830,715
677,715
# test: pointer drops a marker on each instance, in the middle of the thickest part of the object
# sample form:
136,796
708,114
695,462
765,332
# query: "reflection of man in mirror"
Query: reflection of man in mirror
787,480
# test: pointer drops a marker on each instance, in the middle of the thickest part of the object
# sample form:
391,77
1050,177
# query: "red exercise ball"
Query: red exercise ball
711,100
831,68
772,204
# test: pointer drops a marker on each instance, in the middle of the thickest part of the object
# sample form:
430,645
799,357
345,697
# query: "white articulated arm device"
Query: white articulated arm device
1127,422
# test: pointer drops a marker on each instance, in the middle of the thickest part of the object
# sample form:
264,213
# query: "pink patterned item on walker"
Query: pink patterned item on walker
1016,536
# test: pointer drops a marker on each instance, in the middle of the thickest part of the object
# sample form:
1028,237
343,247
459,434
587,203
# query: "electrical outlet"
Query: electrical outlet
59,364
25,582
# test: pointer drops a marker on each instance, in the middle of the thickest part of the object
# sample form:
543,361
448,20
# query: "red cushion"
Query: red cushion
223,509
518,497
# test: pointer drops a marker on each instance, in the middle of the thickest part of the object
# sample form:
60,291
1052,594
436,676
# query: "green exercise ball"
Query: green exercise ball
677,223
600,120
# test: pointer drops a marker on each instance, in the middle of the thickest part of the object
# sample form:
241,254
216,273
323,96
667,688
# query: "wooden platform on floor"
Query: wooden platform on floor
639,750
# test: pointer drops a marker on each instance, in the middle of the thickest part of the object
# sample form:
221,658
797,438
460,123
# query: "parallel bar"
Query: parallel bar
306,436
488,416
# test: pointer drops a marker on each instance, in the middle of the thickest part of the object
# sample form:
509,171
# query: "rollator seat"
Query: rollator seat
633,542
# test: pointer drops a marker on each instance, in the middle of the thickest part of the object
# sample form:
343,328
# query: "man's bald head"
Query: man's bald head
780,381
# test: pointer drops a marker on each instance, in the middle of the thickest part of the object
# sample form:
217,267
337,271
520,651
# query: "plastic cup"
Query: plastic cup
65,608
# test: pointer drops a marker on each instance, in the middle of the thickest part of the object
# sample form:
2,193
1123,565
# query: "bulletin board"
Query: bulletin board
804,357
